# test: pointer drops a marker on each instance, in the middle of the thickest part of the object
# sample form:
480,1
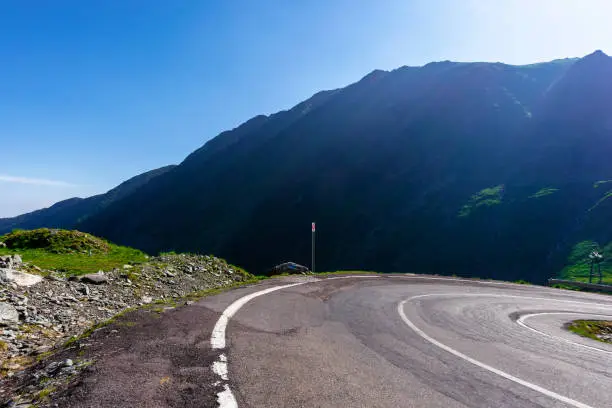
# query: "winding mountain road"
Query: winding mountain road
408,341
368,341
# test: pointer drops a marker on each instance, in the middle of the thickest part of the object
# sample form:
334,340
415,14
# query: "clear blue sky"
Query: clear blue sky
95,92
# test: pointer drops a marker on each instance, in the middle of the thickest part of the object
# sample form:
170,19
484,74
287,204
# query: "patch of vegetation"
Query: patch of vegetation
44,394
70,252
3,346
8,364
486,197
44,355
346,273
544,192
601,182
522,282
578,263
126,324
599,330
607,195
55,241
197,295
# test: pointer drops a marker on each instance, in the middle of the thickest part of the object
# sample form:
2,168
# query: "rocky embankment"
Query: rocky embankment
39,312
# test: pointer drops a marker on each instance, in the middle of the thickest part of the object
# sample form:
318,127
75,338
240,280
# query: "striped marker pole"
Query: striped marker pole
312,264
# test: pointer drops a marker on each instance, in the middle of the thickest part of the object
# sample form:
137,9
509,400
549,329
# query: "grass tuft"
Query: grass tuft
70,252
592,329
486,197
544,192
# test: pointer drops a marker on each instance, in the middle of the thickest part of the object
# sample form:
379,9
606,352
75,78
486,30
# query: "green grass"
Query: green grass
544,192
56,241
607,195
486,197
44,394
522,282
591,328
78,264
601,182
70,252
346,273
578,264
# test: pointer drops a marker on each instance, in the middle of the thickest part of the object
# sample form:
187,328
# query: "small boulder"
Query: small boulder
10,276
10,261
84,290
8,315
289,268
94,278
17,261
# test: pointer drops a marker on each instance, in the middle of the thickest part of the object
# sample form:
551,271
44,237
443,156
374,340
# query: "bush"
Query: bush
55,241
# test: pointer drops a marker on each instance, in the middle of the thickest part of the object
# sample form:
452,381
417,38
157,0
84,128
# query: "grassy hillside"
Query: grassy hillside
71,252
578,263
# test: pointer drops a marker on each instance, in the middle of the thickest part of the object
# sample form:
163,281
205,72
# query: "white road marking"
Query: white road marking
217,338
552,394
226,398
521,321
578,302
220,367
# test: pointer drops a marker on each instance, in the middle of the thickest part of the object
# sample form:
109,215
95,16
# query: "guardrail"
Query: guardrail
585,285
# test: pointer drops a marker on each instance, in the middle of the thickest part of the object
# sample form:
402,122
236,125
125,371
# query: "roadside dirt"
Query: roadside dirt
147,358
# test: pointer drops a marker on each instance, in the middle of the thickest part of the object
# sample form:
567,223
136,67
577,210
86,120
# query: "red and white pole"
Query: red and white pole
312,264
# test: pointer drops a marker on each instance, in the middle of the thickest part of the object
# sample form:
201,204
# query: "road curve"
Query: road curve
408,341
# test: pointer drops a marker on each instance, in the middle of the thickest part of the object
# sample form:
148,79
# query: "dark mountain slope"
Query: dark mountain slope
66,214
474,169
384,166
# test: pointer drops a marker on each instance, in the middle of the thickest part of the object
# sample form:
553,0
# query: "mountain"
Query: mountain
68,213
474,169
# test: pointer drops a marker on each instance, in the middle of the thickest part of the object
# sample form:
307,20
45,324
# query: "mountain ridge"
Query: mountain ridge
67,213
386,166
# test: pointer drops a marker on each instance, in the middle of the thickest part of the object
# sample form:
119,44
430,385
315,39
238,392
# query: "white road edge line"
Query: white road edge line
521,322
552,394
226,398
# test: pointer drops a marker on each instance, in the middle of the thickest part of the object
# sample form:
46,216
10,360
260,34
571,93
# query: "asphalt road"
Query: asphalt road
405,341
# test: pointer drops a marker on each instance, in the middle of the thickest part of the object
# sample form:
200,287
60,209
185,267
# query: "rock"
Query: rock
94,278
17,260
8,276
288,267
52,367
8,314
2,244
146,299
68,363
10,261
127,266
